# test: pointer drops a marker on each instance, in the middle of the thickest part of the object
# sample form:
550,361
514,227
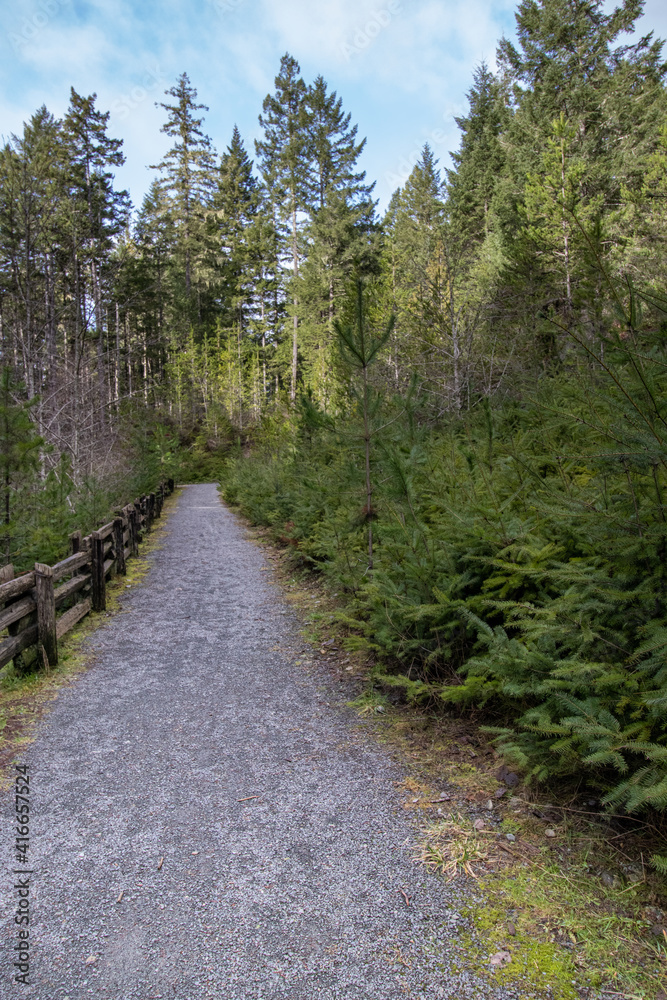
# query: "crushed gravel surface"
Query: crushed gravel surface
209,820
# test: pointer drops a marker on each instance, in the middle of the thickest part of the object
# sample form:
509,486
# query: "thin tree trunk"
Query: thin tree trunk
295,265
117,362
100,343
566,241
263,350
369,488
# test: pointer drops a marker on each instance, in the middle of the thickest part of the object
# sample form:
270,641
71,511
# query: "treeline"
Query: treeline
189,317
218,299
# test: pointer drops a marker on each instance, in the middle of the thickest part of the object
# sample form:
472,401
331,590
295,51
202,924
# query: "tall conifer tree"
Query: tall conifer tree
285,164
187,178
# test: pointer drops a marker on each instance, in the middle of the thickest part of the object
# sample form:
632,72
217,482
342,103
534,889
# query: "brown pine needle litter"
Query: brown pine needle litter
454,847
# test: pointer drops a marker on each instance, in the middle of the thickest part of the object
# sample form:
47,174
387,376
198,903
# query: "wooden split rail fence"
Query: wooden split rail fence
39,607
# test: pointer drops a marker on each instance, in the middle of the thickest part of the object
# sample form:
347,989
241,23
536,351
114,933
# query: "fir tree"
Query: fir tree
361,345
101,212
236,240
334,148
479,161
285,165
235,205
340,237
187,176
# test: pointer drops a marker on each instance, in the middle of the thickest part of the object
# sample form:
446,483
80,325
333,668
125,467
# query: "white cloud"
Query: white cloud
402,67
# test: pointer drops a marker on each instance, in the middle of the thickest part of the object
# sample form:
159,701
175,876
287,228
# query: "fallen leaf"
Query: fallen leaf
160,863
479,824
121,895
92,959
511,929
549,833
500,957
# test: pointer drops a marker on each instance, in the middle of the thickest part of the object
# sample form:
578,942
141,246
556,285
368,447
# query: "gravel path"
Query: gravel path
196,739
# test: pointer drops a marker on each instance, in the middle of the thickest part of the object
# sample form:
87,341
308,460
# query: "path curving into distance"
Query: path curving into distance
193,706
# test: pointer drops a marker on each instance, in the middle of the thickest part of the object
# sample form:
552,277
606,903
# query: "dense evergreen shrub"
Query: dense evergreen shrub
519,560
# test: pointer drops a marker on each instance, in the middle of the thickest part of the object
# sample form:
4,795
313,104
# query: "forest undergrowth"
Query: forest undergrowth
563,904
518,562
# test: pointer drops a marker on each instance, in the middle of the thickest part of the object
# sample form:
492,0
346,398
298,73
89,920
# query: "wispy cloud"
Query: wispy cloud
402,67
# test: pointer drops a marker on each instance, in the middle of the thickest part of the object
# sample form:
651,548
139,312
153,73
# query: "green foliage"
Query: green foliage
19,456
519,562
47,504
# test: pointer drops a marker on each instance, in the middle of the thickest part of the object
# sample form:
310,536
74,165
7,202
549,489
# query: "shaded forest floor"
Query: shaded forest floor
567,898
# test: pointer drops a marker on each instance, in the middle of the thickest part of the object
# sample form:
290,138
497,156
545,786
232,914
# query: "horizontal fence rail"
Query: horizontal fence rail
39,607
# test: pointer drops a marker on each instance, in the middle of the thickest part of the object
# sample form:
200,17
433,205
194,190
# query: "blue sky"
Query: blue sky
402,67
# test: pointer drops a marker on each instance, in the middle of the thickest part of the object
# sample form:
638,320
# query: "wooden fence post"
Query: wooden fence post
75,548
139,512
170,484
134,529
75,542
46,613
119,545
7,574
97,571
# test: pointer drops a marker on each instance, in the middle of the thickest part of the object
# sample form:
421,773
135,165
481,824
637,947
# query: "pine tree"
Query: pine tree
235,235
360,346
341,235
187,181
480,159
285,165
100,212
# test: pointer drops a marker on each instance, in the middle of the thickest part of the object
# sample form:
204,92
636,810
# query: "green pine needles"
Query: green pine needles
519,560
